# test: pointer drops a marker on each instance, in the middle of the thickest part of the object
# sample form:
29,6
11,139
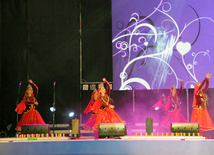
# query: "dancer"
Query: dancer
90,123
200,114
29,106
160,104
173,108
162,112
103,108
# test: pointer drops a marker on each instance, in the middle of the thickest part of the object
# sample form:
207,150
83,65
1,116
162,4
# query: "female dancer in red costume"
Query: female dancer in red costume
29,106
162,112
173,108
103,108
90,123
200,114
160,104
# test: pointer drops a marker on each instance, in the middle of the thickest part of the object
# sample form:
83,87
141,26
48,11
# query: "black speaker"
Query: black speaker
185,128
149,125
75,127
35,128
112,130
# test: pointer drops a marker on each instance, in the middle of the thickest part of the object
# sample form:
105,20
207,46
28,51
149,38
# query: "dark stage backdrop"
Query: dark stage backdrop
40,40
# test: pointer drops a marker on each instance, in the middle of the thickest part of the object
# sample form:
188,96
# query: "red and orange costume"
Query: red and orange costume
90,123
31,114
200,114
173,108
102,106
160,104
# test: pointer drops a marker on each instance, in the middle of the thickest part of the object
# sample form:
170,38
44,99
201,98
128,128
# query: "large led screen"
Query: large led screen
156,43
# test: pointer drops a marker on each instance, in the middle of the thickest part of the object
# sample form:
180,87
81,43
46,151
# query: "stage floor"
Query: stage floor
126,145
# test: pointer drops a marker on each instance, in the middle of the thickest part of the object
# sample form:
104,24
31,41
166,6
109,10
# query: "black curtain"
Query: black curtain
13,55
0,42
40,40
97,40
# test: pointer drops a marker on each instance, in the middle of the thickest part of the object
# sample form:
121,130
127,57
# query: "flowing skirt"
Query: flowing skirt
107,115
202,117
173,117
30,117
90,123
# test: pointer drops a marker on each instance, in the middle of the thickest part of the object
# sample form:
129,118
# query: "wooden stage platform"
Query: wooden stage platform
125,145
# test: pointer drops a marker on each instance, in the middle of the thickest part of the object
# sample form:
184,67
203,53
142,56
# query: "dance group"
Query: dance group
102,111
171,107
100,106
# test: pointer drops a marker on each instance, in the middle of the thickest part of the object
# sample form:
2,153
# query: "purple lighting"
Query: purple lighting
156,43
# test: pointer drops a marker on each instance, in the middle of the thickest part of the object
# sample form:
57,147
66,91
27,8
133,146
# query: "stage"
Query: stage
123,145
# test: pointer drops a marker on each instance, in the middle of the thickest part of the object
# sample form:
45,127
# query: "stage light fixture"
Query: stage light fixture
110,86
85,87
92,87
52,109
156,108
71,114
